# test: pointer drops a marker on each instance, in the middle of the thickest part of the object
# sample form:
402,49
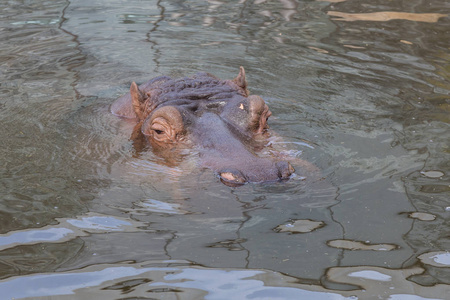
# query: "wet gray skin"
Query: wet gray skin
217,117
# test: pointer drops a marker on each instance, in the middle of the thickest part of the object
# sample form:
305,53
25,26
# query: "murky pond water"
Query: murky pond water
359,89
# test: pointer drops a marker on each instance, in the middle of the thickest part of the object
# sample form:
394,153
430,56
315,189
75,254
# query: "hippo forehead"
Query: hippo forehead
200,93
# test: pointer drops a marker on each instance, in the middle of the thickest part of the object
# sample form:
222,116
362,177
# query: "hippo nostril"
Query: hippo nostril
284,169
232,177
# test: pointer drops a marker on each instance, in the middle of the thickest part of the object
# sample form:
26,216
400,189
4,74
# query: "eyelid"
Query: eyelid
158,127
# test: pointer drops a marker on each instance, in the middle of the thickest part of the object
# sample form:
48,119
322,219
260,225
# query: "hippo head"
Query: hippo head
219,118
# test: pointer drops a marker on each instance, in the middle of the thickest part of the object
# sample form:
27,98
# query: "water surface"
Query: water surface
361,90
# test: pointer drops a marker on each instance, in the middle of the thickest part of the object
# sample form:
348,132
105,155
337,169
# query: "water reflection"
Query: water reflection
437,259
299,226
178,279
68,229
357,245
386,16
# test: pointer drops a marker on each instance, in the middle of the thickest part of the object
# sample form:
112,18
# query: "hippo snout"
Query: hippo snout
232,177
280,170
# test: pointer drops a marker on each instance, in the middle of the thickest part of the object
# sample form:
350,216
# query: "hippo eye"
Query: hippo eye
158,128
161,130
164,125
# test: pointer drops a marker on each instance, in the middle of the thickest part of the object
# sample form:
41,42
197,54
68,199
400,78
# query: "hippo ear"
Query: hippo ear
240,80
137,99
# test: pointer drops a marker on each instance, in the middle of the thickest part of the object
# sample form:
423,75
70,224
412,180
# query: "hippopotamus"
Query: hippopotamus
227,126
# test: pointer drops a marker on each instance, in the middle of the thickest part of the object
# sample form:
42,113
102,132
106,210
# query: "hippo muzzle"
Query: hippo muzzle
232,155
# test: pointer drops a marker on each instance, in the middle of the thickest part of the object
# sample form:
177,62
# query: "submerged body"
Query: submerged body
218,117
